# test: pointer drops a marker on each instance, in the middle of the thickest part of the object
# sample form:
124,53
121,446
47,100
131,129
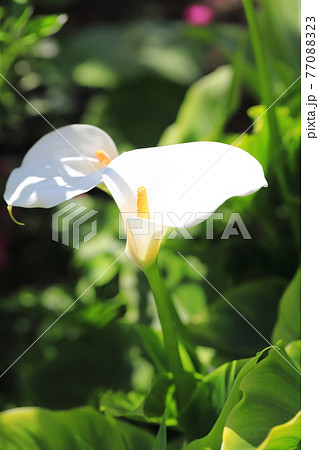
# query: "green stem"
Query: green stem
262,68
164,309
186,340
267,99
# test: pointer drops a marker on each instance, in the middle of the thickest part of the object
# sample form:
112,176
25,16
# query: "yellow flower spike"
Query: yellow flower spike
103,157
142,203
184,186
12,217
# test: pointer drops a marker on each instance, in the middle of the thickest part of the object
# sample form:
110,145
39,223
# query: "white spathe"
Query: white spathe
60,166
185,184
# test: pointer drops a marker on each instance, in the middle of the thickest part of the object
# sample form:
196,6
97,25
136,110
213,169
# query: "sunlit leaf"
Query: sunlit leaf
205,109
293,349
271,396
266,393
94,74
46,25
288,326
122,404
190,300
284,437
35,428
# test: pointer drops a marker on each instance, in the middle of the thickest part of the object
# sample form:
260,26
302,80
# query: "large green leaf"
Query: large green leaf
213,440
76,429
271,396
257,301
266,393
288,326
284,437
205,109
209,398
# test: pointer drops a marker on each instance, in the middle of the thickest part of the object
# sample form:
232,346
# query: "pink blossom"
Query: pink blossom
199,14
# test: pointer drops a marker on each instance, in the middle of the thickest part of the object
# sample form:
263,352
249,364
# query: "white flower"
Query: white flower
62,164
176,186
154,188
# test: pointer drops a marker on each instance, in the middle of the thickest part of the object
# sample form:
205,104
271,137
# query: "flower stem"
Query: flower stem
262,68
275,145
168,323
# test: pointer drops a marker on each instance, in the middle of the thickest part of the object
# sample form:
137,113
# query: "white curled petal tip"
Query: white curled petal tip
63,164
9,208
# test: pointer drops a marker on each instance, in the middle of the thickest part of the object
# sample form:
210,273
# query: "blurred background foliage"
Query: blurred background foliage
146,75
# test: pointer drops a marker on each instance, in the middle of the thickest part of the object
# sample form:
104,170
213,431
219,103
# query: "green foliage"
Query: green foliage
83,428
153,344
265,393
205,109
257,302
147,408
272,388
279,47
160,441
209,398
160,396
257,142
284,437
288,326
294,351
19,34
128,51
135,79
121,404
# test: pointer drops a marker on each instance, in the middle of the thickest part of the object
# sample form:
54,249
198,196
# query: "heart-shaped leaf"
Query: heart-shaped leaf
266,393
